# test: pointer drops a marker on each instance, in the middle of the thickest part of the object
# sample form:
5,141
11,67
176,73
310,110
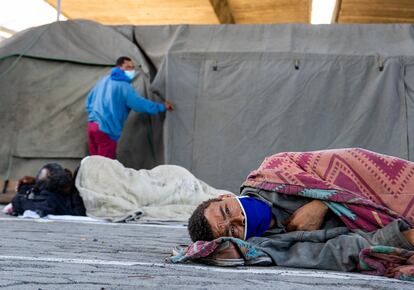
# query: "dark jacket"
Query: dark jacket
45,202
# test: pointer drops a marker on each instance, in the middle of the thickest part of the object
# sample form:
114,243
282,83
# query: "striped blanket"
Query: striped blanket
367,190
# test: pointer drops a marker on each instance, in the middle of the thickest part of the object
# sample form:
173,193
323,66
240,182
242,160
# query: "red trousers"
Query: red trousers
100,143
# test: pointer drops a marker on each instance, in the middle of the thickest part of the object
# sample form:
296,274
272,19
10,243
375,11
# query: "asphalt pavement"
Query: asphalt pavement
39,254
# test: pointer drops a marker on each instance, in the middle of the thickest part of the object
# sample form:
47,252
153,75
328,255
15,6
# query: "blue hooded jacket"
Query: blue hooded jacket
110,101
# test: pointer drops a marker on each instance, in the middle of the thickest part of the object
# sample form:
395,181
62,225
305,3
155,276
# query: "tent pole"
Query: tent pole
58,9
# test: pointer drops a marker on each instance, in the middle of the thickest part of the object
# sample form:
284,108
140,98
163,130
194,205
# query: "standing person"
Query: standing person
108,105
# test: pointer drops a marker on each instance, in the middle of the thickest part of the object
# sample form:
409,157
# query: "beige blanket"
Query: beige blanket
166,192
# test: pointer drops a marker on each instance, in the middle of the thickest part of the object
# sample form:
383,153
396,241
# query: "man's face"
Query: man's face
226,218
127,65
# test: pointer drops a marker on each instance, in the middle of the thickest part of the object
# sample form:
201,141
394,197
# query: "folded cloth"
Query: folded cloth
366,190
387,261
209,253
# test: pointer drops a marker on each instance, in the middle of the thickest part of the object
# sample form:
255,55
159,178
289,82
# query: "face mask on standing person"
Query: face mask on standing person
130,74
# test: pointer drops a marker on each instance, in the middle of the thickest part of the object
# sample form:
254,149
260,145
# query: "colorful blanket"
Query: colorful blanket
365,189
202,251
387,261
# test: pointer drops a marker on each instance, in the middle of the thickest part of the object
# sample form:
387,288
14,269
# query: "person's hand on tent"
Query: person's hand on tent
168,105
25,180
307,218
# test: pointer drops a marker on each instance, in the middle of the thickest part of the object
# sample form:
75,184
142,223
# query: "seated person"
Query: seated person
300,218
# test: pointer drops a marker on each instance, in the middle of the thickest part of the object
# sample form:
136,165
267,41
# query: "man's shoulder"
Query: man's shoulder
104,79
120,84
101,82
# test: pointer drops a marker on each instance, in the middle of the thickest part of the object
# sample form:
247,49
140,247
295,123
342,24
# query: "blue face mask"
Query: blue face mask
130,74
258,216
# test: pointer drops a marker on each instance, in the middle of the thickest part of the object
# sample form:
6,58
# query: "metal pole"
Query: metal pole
58,8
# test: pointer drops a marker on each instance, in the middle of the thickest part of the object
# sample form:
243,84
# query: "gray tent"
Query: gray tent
241,92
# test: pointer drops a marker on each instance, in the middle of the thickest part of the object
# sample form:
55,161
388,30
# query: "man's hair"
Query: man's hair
198,226
56,179
120,61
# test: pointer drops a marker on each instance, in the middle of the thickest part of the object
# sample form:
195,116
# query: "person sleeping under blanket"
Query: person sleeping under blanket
104,188
319,209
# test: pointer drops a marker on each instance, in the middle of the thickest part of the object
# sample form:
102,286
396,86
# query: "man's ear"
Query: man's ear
227,195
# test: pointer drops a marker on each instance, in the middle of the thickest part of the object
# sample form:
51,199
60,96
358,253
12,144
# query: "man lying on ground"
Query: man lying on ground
111,191
316,209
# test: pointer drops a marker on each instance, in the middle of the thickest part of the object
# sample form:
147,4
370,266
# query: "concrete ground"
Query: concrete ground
38,254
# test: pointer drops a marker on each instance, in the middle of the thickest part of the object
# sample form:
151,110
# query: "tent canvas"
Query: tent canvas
241,92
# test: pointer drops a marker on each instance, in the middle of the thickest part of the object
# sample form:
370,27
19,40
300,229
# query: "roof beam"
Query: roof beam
223,12
7,30
375,11
335,14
